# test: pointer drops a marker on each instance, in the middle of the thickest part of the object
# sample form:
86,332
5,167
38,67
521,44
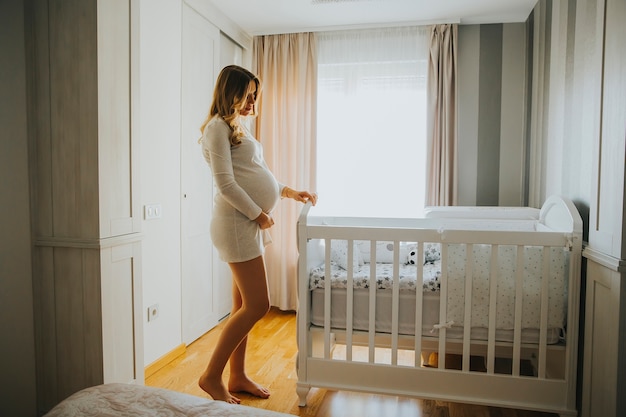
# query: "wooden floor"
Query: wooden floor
271,362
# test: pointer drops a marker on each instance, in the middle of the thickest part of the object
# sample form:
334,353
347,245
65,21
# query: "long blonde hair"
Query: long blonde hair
229,98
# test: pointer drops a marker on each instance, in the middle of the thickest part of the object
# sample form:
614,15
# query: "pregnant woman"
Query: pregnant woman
246,194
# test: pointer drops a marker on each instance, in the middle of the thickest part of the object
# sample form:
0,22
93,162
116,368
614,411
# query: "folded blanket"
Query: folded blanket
114,400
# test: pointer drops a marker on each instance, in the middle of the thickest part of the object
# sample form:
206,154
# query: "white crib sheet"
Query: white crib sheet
531,304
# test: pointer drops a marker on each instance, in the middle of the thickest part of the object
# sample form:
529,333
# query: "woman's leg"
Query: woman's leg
251,282
238,380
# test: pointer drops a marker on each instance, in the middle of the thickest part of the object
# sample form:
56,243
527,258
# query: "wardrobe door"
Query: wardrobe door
200,66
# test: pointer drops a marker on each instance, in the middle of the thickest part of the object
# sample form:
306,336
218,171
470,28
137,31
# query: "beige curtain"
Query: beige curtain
287,67
442,117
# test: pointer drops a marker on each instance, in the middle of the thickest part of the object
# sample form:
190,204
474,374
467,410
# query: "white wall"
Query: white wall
17,346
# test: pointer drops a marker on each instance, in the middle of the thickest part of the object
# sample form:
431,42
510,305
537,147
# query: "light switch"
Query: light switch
152,211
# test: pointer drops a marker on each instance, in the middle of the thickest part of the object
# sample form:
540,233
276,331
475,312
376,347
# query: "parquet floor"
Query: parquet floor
271,362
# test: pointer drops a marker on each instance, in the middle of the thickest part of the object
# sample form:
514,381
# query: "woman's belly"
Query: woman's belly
260,184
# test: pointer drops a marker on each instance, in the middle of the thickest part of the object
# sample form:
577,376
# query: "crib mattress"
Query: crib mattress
406,316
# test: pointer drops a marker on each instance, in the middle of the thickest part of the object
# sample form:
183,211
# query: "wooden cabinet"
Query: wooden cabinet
604,362
604,367
86,224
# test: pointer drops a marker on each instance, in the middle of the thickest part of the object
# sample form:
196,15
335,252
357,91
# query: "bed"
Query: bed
467,304
116,399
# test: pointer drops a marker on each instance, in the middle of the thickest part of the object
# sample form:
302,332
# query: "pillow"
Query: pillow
339,254
384,251
432,253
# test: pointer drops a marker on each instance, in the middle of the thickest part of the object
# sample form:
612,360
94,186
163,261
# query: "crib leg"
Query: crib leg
302,391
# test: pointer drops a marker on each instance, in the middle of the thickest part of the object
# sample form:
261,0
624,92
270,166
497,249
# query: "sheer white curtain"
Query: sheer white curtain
371,129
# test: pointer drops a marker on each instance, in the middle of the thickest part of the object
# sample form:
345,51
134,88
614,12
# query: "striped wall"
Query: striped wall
493,61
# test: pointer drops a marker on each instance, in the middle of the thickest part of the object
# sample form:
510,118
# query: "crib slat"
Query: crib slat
395,303
419,295
493,292
543,326
467,315
572,316
443,305
349,300
519,294
372,310
327,285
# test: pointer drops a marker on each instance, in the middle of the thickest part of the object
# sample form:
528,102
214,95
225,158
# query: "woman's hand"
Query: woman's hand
264,220
301,196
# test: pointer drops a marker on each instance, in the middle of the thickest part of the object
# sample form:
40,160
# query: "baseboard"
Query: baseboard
164,360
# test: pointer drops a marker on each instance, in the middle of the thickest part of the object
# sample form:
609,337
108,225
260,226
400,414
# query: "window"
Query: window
371,128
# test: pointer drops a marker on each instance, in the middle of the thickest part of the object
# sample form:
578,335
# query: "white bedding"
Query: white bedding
533,259
114,400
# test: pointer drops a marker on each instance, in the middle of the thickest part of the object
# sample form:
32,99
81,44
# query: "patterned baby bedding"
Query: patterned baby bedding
384,276
506,284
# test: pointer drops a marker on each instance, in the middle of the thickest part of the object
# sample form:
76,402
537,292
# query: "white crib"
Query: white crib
367,325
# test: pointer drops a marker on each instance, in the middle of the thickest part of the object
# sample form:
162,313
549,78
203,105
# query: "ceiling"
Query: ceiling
263,17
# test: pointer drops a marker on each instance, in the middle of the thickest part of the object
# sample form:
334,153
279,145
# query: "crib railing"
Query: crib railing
516,347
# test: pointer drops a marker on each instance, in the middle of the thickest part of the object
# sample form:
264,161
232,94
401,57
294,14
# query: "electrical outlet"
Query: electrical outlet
153,312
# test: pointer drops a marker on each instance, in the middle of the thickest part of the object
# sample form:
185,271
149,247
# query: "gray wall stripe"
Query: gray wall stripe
490,91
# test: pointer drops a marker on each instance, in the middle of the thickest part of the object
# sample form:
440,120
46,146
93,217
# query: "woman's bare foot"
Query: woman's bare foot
245,384
217,390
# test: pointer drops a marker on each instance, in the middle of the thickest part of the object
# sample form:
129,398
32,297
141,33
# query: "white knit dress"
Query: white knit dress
245,187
